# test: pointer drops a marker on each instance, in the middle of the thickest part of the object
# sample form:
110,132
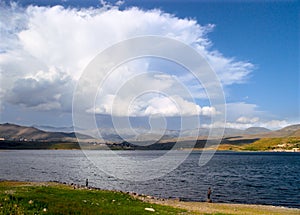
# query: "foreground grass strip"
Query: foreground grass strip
52,198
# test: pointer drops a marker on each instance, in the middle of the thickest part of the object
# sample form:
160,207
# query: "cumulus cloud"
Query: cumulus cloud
159,94
243,112
244,119
154,105
46,90
241,115
271,124
45,49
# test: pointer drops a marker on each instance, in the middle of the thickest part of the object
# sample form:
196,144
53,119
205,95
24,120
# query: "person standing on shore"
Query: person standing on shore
208,195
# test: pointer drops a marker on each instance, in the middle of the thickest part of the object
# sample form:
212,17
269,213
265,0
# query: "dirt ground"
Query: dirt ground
223,208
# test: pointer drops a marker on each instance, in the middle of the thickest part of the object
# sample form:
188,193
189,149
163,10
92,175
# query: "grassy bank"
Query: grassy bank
55,198
265,144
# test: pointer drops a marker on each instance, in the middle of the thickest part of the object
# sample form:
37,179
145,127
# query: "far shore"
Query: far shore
181,149
287,144
189,207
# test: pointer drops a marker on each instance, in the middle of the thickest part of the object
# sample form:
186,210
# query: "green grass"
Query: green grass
64,146
216,214
54,198
22,198
272,143
265,144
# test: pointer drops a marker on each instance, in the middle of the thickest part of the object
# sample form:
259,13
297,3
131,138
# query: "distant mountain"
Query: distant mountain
110,135
54,129
233,132
296,133
256,130
141,134
292,130
228,131
17,132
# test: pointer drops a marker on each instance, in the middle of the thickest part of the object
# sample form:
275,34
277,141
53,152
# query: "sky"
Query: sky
253,47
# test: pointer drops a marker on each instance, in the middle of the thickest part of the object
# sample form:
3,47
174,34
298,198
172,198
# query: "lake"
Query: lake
270,178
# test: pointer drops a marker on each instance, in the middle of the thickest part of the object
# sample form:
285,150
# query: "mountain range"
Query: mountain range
13,132
17,132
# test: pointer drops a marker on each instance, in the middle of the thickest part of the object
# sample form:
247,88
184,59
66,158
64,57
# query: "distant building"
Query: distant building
296,150
2,138
281,145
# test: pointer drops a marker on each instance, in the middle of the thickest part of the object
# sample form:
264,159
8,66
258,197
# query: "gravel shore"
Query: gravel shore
223,208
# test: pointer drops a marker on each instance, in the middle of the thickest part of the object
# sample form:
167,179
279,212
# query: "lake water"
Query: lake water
253,178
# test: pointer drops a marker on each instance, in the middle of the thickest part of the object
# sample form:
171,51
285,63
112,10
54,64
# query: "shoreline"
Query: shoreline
193,150
230,208
191,207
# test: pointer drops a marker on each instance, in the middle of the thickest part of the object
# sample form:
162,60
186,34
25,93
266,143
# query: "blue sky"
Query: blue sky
266,34
261,37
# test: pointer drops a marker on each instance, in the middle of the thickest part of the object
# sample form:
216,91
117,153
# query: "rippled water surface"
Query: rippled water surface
254,178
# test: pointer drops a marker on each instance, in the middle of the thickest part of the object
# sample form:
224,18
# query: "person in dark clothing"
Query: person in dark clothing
87,182
208,194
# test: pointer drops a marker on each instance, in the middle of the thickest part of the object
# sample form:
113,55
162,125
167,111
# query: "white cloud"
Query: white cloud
275,124
229,70
119,3
45,49
271,124
244,119
242,110
134,90
46,90
241,115
152,105
209,111
172,106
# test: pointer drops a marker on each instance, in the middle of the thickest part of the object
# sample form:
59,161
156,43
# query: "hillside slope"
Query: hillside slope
17,132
